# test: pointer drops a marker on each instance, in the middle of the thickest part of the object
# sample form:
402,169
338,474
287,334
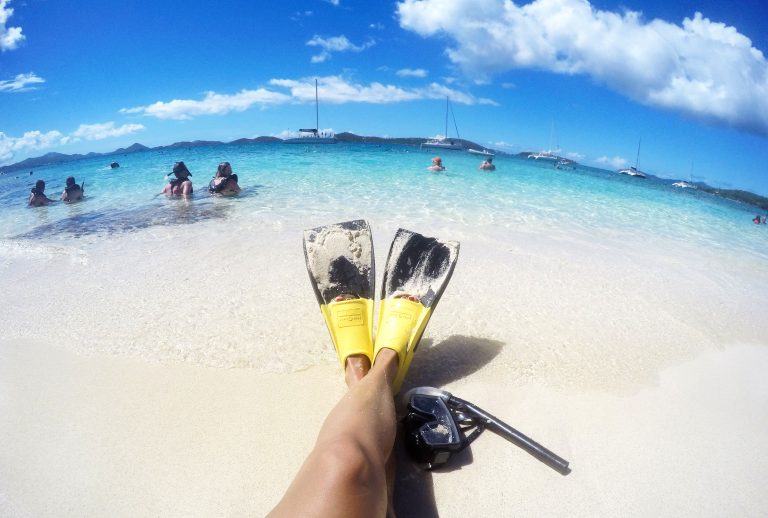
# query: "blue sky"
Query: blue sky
588,78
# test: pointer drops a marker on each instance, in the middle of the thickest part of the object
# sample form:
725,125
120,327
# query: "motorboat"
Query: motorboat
313,135
481,152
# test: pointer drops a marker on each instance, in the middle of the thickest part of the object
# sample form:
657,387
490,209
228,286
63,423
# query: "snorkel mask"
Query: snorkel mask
438,425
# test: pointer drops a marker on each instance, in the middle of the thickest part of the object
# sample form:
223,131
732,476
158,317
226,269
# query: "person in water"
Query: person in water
72,192
350,471
437,164
181,185
38,197
487,165
225,181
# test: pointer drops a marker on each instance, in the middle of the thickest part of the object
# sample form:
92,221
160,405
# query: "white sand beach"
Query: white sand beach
142,379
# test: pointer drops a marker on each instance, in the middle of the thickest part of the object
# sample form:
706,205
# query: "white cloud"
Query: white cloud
20,83
700,68
333,89
212,104
334,44
412,72
105,130
334,2
615,162
337,90
9,36
30,140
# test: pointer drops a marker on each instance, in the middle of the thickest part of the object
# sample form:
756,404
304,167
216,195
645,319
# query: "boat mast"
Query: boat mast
446,116
637,160
317,112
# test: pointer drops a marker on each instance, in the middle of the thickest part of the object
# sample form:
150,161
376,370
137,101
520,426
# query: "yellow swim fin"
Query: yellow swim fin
417,272
339,260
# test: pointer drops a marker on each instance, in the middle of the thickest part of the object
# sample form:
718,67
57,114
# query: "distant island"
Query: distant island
345,137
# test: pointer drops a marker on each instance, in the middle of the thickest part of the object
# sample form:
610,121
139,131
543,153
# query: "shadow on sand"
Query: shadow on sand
436,365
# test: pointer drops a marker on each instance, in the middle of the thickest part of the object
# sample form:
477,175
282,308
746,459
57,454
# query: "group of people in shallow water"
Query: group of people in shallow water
437,165
224,183
72,192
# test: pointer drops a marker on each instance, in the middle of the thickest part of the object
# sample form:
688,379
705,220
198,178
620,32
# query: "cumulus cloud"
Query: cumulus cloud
105,130
33,140
412,72
212,104
334,44
21,83
614,162
9,36
30,140
337,90
333,89
700,68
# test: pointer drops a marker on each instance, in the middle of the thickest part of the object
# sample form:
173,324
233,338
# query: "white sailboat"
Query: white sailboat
686,185
634,171
313,135
549,154
445,142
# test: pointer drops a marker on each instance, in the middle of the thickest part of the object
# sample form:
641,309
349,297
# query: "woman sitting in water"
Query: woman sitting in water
181,185
38,197
225,182
488,165
437,164
72,192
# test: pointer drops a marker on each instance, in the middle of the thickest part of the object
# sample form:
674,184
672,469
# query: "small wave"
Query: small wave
10,248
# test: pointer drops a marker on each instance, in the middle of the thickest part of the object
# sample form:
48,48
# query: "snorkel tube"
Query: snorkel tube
437,424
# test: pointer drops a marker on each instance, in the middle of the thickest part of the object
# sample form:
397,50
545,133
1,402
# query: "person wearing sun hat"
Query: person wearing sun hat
181,185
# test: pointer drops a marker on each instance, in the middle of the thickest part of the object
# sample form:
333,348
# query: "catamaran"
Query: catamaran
445,142
634,171
313,135
686,185
548,154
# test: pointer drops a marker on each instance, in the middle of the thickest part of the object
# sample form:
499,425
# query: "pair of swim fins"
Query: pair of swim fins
341,269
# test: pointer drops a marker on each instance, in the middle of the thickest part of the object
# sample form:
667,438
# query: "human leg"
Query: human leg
346,472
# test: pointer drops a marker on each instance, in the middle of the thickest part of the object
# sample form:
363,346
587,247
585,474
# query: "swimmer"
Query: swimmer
181,185
38,197
487,165
225,182
72,192
437,164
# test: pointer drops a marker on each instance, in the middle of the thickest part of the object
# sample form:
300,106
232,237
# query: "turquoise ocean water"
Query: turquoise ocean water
293,182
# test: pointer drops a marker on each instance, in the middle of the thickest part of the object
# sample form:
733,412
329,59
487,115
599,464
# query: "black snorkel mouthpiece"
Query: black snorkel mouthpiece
438,425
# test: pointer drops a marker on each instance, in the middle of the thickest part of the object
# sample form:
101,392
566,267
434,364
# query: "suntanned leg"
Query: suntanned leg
346,472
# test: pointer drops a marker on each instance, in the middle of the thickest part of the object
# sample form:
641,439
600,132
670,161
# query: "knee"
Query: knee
348,465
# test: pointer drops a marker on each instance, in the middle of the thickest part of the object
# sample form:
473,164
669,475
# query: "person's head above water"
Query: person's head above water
70,181
181,171
437,160
224,169
39,187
